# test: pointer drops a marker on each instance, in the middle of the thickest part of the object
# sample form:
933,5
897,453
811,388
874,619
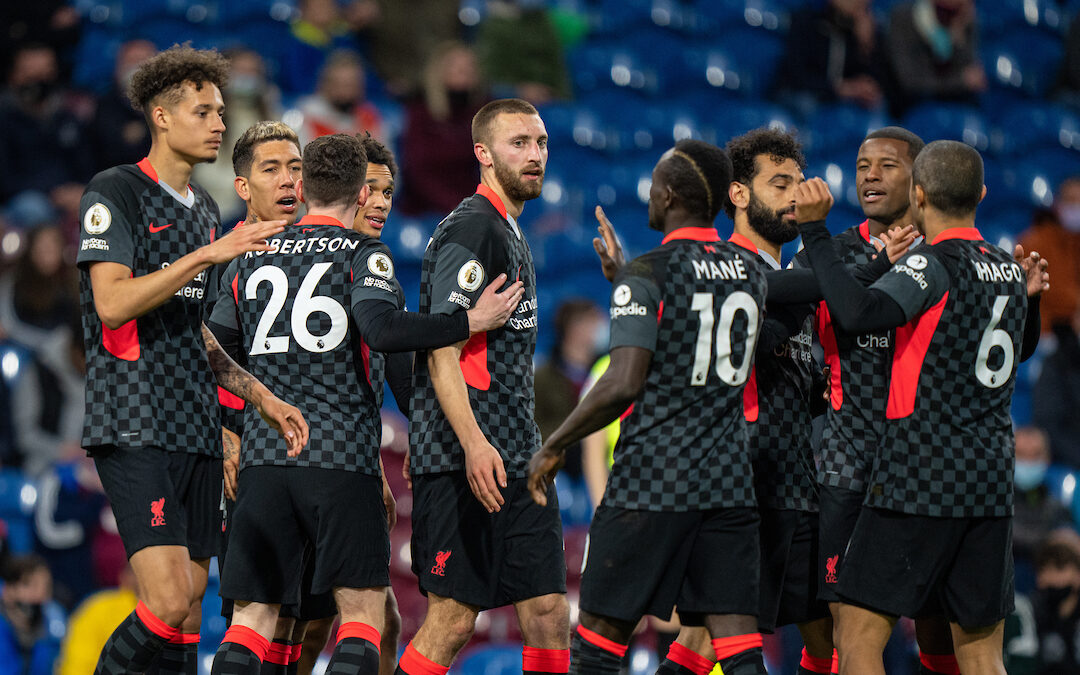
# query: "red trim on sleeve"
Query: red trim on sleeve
912,341
750,398
827,337
320,220
692,233
474,363
659,312
966,233
359,631
147,168
489,194
597,640
537,660
235,288
123,343
742,240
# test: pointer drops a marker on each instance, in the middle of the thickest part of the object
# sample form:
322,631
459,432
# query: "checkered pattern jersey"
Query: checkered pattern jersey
377,364
858,387
684,446
498,365
948,448
148,383
785,473
293,309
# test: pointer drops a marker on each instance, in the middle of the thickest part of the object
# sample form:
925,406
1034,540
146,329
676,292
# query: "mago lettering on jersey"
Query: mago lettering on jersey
470,276
624,307
97,219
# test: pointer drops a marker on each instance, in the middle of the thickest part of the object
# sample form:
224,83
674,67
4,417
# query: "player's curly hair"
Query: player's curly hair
743,150
161,78
699,173
334,170
377,153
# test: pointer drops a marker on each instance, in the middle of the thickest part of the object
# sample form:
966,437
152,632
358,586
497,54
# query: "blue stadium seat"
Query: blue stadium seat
1024,59
839,173
838,129
949,121
740,59
999,17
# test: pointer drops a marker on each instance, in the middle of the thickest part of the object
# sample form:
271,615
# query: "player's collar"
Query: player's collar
489,194
692,233
147,168
320,220
965,233
744,241
864,232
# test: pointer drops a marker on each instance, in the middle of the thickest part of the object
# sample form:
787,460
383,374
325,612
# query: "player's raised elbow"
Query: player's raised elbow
111,317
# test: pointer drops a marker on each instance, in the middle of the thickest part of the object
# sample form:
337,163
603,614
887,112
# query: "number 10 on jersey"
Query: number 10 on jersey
726,370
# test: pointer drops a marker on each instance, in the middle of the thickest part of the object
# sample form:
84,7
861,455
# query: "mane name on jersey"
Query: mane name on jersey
308,245
994,272
725,269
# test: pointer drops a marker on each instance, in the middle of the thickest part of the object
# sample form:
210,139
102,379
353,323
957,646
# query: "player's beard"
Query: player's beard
769,223
512,183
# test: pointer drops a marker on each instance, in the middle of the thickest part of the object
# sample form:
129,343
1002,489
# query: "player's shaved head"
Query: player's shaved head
255,135
950,173
334,171
484,119
915,144
699,173
160,80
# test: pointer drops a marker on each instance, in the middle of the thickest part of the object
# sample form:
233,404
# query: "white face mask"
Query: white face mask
1070,216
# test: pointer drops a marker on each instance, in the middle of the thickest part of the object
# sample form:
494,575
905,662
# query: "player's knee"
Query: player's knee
392,620
548,618
170,605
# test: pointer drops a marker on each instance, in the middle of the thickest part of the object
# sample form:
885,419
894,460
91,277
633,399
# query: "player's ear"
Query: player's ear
365,192
920,197
300,189
483,155
159,118
739,195
241,186
983,195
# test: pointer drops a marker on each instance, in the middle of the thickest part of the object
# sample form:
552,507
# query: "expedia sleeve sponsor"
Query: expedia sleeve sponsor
635,303
105,231
373,275
917,281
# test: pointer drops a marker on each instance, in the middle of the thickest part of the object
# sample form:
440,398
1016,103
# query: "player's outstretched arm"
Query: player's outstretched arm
483,463
1035,269
607,246
281,416
616,389
854,308
120,297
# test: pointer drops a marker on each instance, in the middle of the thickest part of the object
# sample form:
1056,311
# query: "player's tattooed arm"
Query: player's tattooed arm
483,463
612,394
607,246
231,461
282,417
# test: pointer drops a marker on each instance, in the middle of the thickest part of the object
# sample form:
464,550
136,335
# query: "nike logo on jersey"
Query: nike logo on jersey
154,229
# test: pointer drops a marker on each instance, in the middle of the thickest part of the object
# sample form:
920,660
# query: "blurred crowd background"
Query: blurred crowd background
617,82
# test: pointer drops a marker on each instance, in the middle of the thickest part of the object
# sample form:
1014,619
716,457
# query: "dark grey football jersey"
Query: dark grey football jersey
695,302
948,448
148,382
294,309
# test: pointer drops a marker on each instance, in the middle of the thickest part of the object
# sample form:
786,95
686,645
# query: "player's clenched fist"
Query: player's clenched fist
542,469
812,201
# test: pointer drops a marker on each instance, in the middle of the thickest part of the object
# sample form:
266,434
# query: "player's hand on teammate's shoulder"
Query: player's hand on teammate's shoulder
486,474
494,308
812,200
542,469
239,240
896,242
1034,266
607,246
286,420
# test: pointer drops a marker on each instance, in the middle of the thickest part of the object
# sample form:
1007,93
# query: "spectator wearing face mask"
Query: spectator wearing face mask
31,623
1036,511
1058,230
339,105
1057,604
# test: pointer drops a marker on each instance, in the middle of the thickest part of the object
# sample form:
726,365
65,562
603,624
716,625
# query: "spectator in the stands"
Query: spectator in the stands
40,294
319,30
839,55
1068,89
933,47
92,623
1055,399
1061,246
521,51
1037,512
51,22
31,623
43,144
1057,604
118,132
439,169
339,105
249,97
